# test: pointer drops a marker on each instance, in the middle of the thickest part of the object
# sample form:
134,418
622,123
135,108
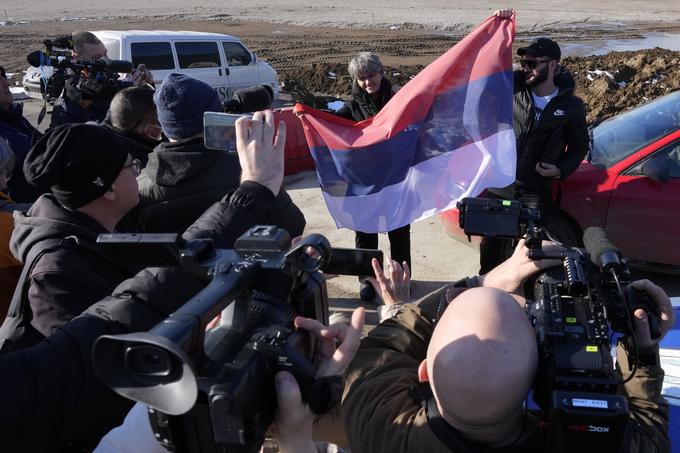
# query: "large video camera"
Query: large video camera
574,307
91,79
214,391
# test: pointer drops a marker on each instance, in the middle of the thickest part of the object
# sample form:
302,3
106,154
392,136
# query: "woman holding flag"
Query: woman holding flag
370,92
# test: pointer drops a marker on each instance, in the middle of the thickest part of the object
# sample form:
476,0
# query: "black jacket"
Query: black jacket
361,105
182,179
71,276
50,394
559,138
21,135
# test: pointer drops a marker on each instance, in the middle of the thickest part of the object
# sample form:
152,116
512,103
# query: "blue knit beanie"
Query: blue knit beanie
181,101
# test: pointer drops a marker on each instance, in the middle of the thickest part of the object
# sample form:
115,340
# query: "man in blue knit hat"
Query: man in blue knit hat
183,178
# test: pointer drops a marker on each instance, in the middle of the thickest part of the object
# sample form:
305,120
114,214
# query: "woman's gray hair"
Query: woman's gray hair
364,62
7,158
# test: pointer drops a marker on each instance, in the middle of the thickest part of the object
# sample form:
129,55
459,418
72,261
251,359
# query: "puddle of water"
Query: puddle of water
669,41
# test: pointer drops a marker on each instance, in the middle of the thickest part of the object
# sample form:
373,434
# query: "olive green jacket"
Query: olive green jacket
380,416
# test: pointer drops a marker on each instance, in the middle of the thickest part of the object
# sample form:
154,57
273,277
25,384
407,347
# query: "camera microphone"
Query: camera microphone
251,99
603,253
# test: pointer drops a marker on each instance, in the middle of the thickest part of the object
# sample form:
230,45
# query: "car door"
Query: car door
643,214
156,56
201,59
243,71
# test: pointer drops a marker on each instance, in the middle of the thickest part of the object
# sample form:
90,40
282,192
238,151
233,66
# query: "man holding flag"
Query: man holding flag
551,139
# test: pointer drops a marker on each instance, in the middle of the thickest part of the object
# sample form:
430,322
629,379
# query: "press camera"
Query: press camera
90,79
575,308
214,391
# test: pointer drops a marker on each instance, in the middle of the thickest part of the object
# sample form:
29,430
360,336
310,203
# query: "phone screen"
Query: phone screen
219,132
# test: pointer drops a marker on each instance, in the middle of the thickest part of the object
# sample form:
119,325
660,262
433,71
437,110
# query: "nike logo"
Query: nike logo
558,112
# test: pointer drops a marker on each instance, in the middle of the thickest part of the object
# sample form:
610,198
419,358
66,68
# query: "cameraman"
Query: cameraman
476,356
80,103
51,398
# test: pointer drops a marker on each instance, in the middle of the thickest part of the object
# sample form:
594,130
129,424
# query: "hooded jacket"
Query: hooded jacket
21,135
182,179
50,393
73,274
559,138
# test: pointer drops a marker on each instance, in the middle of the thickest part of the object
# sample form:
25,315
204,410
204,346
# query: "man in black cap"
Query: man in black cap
551,136
88,178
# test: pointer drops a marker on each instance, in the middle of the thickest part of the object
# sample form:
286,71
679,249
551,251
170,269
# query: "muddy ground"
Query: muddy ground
315,58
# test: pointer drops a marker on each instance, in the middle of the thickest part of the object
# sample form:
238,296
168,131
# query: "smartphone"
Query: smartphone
352,261
219,132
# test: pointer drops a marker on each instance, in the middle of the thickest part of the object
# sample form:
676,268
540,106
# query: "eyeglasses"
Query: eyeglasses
531,64
135,166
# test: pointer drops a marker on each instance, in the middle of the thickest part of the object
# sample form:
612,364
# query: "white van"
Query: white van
222,61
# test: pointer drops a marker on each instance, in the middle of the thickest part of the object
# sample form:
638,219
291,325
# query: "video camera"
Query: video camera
574,306
92,79
214,391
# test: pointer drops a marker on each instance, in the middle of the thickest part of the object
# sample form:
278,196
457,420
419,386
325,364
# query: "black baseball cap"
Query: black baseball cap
541,47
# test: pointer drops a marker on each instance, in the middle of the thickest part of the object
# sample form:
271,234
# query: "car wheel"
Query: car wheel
563,229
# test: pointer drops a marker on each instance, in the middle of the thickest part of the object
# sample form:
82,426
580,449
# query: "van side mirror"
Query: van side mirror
656,169
254,58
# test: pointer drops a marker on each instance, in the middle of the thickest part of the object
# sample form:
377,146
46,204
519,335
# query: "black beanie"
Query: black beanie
78,163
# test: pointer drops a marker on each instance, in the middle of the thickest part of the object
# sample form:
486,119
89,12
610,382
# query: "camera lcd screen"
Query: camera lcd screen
352,261
219,132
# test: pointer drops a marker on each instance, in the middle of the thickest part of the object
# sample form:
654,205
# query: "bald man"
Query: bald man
452,376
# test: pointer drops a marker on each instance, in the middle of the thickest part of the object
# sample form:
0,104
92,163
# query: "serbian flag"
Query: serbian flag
446,135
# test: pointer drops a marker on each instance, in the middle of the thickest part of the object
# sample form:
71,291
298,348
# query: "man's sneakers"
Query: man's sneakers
366,292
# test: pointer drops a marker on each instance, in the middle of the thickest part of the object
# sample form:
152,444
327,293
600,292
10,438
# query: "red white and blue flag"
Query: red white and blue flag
446,135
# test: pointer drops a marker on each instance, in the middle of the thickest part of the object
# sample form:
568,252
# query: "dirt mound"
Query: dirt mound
607,84
617,81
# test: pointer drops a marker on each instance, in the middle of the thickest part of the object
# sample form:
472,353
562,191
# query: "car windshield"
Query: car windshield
621,136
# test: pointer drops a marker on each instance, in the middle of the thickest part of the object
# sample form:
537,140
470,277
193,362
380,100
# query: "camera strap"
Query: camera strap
446,433
452,438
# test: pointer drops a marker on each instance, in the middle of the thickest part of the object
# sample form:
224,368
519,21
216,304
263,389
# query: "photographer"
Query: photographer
475,356
80,103
51,388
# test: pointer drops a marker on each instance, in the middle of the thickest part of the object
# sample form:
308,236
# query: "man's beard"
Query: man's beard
538,79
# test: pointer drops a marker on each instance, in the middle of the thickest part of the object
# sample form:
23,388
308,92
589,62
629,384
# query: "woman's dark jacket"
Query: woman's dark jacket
361,105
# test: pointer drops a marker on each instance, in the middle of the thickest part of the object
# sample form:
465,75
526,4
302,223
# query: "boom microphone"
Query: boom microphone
602,252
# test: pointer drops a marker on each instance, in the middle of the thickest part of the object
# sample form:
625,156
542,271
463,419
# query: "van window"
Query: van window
197,55
155,55
236,54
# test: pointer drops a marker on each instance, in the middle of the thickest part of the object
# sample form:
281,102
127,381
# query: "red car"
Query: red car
629,185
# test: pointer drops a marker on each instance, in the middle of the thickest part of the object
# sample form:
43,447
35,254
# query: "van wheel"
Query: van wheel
564,229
